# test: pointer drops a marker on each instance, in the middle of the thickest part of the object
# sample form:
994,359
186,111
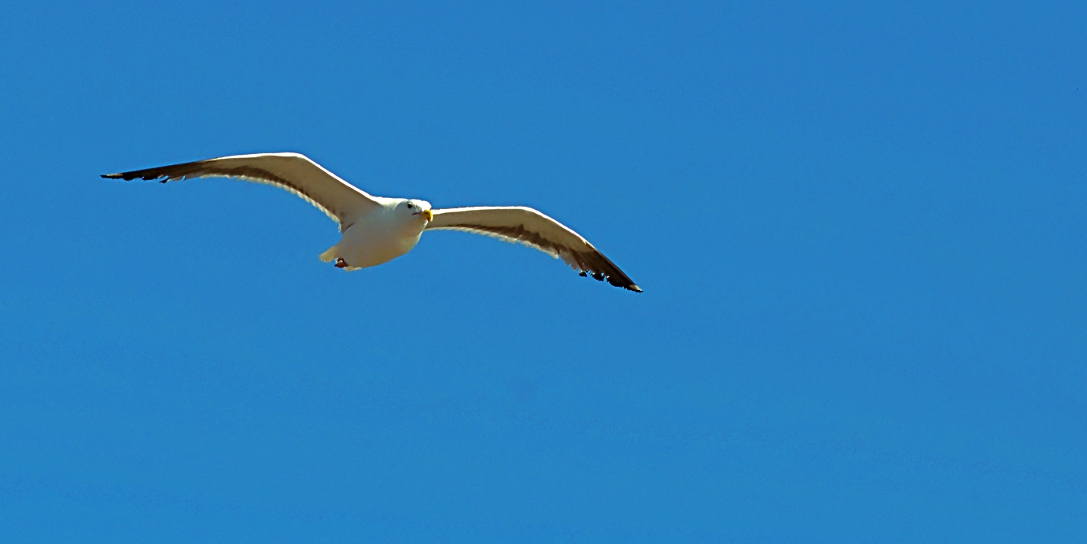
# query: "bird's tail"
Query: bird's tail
330,254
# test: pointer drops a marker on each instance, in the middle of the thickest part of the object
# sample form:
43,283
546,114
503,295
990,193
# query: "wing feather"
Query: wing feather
293,172
534,229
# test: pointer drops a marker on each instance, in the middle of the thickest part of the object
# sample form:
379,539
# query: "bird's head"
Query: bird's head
418,208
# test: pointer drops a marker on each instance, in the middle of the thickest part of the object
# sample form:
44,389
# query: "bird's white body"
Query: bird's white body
378,237
377,230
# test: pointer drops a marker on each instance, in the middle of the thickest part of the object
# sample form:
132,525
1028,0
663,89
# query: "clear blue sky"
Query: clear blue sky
860,230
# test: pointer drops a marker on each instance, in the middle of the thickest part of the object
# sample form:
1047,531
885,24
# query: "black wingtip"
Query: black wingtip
615,281
111,176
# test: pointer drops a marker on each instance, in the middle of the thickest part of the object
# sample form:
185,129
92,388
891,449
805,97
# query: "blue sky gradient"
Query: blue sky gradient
860,229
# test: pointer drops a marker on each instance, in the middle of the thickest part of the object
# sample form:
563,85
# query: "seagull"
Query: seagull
376,230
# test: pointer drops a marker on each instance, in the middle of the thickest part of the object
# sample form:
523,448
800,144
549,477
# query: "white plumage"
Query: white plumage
378,229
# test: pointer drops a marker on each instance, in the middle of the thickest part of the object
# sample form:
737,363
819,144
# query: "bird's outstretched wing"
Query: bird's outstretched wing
534,229
294,172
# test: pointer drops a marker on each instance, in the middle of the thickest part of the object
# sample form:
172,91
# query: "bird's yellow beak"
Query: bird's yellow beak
429,215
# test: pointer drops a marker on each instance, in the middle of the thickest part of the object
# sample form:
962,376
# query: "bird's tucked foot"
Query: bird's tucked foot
340,263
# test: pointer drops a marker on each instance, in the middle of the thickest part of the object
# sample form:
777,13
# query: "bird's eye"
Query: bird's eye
409,205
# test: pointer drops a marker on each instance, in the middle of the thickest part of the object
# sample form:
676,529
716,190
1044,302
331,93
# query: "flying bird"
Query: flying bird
376,229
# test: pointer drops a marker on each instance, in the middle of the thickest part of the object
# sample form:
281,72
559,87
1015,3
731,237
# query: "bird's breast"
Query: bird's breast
373,241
